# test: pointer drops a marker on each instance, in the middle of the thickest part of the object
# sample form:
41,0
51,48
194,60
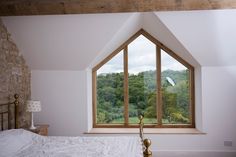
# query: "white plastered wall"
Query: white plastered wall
66,103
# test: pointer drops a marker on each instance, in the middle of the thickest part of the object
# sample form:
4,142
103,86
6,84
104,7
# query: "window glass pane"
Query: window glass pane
142,80
110,93
175,91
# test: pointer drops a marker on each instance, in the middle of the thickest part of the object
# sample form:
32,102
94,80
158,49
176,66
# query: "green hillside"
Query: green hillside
142,97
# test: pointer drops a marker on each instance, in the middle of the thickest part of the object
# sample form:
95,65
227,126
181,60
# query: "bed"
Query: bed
19,142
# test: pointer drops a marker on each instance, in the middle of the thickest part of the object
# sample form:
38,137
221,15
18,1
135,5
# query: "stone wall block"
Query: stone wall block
3,35
14,74
7,45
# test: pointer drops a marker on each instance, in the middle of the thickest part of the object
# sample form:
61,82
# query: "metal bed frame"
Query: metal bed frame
7,111
146,143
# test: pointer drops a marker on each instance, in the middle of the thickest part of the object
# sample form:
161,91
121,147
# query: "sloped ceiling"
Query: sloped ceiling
210,36
63,42
77,42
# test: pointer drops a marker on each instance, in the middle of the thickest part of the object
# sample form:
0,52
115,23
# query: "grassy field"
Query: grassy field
135,120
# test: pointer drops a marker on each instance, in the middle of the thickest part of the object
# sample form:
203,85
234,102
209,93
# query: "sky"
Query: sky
141,57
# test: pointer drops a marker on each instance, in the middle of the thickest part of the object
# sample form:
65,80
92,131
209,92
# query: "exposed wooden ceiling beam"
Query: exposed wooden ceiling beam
51,7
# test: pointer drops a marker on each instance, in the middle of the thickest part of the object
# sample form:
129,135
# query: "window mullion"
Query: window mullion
126,90
159,95
191,91
94,79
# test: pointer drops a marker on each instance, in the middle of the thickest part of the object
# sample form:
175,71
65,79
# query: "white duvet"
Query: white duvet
21,143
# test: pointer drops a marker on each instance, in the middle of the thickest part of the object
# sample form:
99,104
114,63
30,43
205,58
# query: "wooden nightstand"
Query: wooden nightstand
41,129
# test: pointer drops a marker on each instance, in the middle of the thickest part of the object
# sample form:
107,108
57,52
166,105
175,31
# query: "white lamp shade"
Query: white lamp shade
33,106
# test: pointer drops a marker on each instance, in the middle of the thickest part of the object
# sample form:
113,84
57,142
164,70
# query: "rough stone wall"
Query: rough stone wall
14,75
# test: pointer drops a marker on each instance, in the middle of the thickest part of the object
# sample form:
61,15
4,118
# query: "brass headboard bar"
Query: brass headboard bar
5,112
2,120
16,113
141,129
16,102
146,143
9,117
9,103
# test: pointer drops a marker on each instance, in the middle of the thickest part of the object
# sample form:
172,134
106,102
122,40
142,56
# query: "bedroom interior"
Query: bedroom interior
49,57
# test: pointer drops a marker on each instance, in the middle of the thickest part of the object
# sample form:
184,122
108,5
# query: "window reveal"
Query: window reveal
143,77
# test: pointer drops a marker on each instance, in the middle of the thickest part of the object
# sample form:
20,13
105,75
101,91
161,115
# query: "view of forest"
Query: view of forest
142,97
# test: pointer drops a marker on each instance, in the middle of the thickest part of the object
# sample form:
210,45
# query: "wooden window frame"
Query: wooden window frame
159,46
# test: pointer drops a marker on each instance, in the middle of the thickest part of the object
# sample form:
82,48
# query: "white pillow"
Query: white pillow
14,140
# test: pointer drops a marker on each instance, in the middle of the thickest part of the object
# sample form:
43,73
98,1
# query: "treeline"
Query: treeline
142,96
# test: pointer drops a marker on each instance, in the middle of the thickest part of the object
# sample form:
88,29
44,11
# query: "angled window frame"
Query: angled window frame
159,46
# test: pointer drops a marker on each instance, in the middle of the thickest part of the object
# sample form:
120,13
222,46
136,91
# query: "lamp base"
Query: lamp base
32,128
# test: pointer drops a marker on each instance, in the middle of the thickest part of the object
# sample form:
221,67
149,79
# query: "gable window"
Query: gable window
143,77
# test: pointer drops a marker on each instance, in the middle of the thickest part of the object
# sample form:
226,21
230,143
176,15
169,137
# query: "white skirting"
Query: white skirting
166,153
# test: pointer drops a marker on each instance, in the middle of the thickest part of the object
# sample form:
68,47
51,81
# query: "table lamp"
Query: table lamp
33,106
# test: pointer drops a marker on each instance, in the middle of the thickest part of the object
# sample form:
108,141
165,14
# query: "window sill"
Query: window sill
146,131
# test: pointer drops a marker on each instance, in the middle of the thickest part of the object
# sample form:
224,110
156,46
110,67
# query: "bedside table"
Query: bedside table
41,129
